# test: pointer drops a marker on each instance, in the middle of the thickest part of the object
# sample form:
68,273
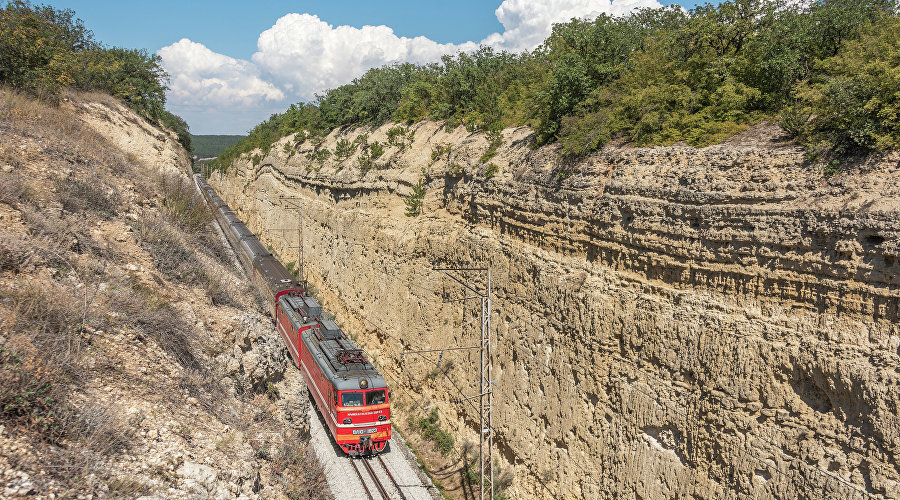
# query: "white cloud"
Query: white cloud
301,55
526,23
201,76
305,54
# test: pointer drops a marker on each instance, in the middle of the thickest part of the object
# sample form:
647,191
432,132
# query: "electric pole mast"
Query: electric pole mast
486,395
296,203
487,416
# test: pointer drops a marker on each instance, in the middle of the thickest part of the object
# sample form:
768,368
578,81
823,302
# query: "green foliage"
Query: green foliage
454,170
176,124
491,170
430,426
365,161
305,119
210,146
44,50
415,200
656,76
376,149
441,150
319,156
855,101
400,136
495,140
39,47
344,149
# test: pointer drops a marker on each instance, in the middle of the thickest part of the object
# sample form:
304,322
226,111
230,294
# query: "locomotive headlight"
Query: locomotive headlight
382,418
363,384
348,420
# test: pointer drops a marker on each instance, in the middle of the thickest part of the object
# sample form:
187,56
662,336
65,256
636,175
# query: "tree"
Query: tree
415,200
856,99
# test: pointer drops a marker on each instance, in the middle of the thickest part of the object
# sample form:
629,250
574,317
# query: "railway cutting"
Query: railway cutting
351,398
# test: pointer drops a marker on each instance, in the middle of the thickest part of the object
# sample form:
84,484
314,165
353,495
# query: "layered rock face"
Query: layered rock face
667,322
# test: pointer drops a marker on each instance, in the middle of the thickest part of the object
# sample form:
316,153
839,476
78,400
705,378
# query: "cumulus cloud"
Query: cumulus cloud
202,76
306,54
526,23
301,54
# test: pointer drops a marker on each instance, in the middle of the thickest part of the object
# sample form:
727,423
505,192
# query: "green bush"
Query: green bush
44,50
365,161
430,426
855,100
376,149
656,76
344,149
441,150
491,170
400,137
415,200
495,140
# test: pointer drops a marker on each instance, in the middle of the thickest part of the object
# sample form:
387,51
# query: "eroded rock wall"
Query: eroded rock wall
668,322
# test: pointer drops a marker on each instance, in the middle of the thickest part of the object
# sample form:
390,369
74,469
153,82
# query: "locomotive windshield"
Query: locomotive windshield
352,399
375,397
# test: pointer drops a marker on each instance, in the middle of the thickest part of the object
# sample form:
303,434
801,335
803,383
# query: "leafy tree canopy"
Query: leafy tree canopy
44,50
826,68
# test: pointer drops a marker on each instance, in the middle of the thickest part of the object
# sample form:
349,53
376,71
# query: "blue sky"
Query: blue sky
232,64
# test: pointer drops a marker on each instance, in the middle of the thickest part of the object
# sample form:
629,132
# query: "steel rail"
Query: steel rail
361,480
381,489
391,477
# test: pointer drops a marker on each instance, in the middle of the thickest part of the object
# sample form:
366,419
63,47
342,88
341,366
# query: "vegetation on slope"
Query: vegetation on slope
210,146
99,256
44,50
826,69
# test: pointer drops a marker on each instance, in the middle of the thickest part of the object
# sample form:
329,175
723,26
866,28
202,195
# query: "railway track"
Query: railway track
371,477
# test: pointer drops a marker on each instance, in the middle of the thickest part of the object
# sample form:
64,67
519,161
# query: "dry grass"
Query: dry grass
15,254
168,249
68,137
290,458
75,437
153,318
183,204
12,190
87,195
176,252
52,320
71,303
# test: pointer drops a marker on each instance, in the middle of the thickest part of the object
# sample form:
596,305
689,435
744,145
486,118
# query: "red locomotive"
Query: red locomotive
349,392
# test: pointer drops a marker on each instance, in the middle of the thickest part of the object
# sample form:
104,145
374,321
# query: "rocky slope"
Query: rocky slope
669,322
134,359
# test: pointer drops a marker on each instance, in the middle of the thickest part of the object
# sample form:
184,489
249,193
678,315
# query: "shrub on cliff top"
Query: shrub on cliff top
44,50
656,76
854,103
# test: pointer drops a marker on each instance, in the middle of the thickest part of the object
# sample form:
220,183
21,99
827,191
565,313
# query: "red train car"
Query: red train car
349,392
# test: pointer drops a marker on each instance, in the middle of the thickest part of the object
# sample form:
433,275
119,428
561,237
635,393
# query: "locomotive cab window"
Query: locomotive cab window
375,397
351,399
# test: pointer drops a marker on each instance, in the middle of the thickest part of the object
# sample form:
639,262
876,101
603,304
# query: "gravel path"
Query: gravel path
342,479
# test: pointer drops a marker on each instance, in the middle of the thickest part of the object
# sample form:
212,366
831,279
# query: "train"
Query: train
349,392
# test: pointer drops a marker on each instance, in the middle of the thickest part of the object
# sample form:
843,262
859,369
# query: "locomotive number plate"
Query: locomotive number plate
365,431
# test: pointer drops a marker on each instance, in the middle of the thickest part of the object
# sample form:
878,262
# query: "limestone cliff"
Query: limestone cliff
669,322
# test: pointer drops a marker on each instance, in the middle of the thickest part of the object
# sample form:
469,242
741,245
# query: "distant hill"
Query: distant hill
210,146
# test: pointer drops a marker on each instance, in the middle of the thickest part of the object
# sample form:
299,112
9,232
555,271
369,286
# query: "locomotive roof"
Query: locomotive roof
345,377
328,345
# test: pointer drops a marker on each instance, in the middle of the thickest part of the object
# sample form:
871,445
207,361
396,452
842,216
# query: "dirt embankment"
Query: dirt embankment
134,359
669,322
